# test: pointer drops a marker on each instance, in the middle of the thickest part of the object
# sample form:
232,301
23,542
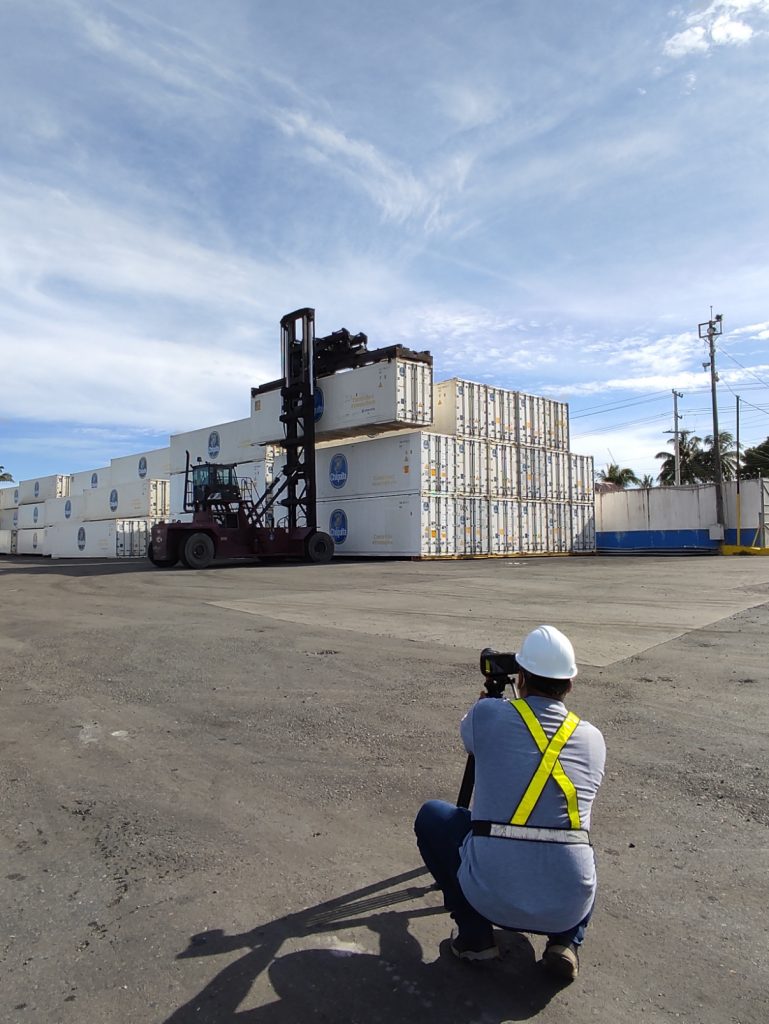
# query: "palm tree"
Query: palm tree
5,477
690,455
647,480
614,475
755,461
708,458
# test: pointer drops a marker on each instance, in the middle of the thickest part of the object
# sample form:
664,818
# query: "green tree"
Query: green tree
707,461
755,461
613,474
690,454
5,477
647,480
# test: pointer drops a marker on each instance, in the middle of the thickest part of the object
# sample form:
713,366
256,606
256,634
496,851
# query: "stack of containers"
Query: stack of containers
9,516
28,519
109,511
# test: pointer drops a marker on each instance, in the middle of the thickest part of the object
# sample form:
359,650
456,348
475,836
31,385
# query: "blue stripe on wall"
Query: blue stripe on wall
659,540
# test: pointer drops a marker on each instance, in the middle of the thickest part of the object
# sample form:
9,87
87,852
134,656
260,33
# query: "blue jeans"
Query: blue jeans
440,829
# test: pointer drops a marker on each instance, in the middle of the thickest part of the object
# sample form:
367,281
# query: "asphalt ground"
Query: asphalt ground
209,780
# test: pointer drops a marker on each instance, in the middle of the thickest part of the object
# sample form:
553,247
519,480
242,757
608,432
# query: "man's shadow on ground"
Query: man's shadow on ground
347,987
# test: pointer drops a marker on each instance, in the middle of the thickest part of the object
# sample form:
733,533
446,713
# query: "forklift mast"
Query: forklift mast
297,340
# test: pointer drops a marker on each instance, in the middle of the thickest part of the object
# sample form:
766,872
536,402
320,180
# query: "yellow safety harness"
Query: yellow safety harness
549,767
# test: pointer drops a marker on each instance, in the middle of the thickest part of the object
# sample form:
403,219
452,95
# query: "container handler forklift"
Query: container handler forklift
228,519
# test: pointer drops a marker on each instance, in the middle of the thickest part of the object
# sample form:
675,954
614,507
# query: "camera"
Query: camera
498,668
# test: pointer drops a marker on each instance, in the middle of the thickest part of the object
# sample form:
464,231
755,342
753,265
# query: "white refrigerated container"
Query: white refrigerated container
9,498
582,527
224,443
460,408
8,542
472,474
89,480
107,538
533,530
532,477
542,422
582,478
32,542
472,526
61,510
503,470
43,488
390,395
559,527
557,475
405,525
501,415
142,499
151,465
31,517
415,462
504,526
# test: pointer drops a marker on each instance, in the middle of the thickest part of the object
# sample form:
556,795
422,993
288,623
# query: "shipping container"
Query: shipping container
45,487
107,538
459,408
472,474
143,498
7,542
542,423
32,542
582,478
503,470
9,520
532,478
415,462
89,480
472,526
533,527
30,517
61,510
231,442
504,526
152,465
557,477
582,527
501,415
378,397
405,525
9,498
559,527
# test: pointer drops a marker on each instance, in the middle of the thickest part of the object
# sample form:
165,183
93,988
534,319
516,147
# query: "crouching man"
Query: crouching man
522,859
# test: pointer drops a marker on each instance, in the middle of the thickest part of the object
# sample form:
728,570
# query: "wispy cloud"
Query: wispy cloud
723,23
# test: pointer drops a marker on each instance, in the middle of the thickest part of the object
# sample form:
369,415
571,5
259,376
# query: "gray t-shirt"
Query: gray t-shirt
529,886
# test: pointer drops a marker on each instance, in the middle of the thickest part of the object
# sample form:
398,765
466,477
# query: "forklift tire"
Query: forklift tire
198,551
319,548
160,563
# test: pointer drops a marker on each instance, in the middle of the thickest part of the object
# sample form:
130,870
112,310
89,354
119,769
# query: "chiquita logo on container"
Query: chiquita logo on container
37,488
320,404
214,444
113,500
34,541
337,471
337,526
142,468
94,481
15,519
81,538
16,496
67,508
35,514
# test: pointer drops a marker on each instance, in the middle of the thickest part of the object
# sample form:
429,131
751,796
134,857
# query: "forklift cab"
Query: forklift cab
214,484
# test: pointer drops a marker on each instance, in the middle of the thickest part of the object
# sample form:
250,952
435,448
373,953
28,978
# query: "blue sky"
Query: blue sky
548,195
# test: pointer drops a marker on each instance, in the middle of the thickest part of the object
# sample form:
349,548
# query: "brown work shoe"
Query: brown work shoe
561,961
463,951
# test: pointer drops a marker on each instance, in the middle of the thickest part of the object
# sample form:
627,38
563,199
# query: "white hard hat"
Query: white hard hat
548,653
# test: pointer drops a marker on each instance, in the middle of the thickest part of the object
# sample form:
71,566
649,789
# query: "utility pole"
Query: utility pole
676,418
711,329
739,509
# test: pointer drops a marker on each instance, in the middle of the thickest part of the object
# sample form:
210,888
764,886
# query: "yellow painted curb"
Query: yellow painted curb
734,549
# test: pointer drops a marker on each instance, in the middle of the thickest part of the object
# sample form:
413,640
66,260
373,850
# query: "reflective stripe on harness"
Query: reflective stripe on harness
538,835
549,765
